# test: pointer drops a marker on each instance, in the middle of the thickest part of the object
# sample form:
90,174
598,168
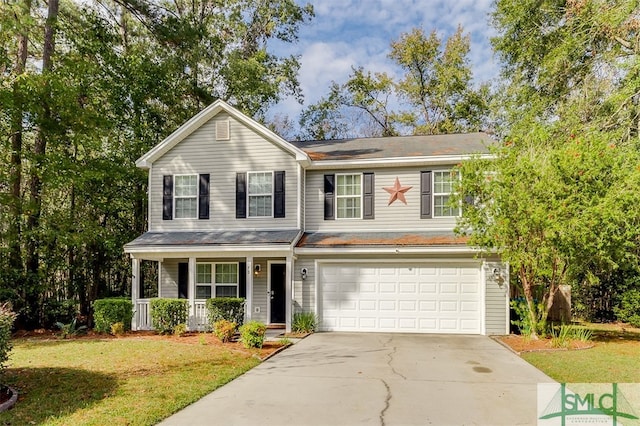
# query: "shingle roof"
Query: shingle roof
397,146
214,238
379,239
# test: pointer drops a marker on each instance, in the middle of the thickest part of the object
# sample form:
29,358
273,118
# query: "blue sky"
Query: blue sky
353,33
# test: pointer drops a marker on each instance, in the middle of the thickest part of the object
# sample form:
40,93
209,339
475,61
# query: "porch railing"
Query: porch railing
198,318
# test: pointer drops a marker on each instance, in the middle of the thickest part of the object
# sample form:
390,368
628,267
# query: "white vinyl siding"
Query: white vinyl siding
199,153
260,194
349,196
443,185
396,217
185,196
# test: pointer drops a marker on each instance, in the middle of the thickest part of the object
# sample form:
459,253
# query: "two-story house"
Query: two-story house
357,231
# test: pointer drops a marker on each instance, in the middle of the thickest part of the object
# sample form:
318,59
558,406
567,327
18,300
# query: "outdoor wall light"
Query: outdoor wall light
303,273
496,273
257,269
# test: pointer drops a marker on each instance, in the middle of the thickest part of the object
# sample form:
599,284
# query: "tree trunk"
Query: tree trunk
39,151
15,174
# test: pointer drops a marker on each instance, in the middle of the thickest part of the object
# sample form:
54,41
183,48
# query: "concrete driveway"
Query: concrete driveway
378,379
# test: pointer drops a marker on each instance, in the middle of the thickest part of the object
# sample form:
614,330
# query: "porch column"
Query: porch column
135,288
288,293
191,293
248,306
160,266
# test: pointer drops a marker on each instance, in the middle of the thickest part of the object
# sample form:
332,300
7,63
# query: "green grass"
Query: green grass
114,381
613,359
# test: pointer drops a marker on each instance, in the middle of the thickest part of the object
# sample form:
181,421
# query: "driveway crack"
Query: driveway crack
386,402
390,359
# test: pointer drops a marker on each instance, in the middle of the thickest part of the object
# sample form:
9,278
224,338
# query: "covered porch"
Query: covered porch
225,265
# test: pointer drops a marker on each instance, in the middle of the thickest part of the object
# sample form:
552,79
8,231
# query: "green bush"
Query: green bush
224,330
225,308
252,334
71,329
167,313
107,312
629,309
117,329
521,309
180,329
54,311
304,322
7,316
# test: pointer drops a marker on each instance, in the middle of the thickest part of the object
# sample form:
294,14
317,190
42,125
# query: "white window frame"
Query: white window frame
337,197
176,197
435,194
213,284
249,194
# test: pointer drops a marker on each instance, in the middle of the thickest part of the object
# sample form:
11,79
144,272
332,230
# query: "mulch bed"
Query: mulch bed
520,344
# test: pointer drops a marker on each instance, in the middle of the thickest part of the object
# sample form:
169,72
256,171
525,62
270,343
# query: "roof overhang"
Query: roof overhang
440,160
146,160
388,250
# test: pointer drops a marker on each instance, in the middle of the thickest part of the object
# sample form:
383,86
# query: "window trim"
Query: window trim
249,195
195,197
213,284
337,197
434,194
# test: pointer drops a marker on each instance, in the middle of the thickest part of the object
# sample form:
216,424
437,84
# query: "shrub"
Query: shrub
224,330
107,312
304,322
252,334
521,309
70,329
225,308
629,309
167,313
54,311
117,329
180,329
7,316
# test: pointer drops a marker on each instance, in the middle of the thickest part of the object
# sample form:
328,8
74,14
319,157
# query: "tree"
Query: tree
559,200
434,95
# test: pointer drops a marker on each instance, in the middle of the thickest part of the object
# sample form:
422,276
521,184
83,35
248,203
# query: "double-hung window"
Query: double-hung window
349,196
216,280
444,182
260,194
186,196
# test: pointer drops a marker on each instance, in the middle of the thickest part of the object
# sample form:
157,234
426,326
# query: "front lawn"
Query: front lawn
613,359
106,381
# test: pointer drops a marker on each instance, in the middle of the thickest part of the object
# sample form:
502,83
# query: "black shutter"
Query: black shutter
167,197
278,194
241,195
183,280
329,197
368,196
242,280
203,197
425,195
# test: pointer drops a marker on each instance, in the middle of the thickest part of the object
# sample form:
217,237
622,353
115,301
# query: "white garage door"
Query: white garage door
421,298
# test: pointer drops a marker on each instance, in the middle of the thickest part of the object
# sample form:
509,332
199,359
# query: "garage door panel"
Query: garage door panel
402,298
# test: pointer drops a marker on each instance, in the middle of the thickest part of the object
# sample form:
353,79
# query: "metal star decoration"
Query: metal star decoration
397,192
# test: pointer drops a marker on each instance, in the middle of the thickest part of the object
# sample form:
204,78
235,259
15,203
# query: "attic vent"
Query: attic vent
222,130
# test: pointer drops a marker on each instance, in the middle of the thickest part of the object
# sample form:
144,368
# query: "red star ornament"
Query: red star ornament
397,192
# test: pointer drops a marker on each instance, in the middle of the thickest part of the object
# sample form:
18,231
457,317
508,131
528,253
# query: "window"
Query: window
186,196
216,280
443,186
203,281
349,196
260,193
226,280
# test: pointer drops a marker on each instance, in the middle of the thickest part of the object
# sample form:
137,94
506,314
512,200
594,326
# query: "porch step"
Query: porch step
275,326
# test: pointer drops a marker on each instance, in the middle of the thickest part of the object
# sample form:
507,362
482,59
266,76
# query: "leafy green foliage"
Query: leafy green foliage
304,322
225,308
180,329
434,95
71,329
7,316
527,325
107,312
224,330
629,309
166,314
117,329
252,334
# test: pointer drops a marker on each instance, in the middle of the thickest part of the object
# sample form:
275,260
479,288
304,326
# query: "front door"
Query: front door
278,300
